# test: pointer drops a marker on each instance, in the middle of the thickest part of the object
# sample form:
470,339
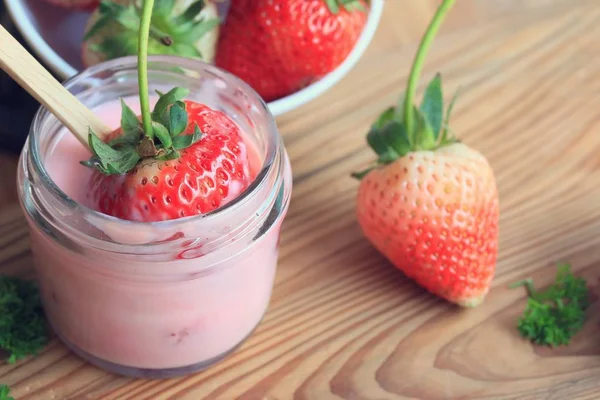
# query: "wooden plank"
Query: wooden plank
342,323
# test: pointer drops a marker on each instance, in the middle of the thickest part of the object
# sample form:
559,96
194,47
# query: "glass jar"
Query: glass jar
161,299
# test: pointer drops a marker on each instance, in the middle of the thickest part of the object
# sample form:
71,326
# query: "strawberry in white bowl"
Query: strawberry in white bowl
281,47
60,49
186,28
75,5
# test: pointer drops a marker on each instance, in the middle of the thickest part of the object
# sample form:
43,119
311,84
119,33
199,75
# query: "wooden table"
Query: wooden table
344,324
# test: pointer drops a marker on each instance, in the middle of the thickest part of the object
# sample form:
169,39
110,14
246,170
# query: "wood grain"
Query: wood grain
342,323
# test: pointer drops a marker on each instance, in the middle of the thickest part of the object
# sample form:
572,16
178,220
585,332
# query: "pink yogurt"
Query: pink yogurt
138,308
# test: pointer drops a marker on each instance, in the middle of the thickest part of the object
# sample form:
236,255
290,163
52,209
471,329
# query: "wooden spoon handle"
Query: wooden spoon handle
35,79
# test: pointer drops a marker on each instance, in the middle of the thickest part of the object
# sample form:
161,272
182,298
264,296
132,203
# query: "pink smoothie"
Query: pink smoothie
134,311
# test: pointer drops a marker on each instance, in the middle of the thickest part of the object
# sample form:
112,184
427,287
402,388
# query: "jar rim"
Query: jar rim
272,140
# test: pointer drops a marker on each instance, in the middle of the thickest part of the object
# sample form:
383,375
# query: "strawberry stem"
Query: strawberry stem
160,36
417,66
528,283
143,67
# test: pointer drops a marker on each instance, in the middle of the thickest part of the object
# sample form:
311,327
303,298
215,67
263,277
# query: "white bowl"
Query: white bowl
55,36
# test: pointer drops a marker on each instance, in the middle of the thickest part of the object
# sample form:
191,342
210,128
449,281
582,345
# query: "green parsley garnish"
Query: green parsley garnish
553,316
5,393
23,329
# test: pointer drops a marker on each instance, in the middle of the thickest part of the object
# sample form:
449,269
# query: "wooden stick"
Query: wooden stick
35,79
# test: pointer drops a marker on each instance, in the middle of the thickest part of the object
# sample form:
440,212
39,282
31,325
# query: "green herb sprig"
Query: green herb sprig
5,393
23,329
553,316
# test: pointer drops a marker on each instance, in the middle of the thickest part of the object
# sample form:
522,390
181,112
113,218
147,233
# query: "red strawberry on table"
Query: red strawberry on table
430,202
181,159
279,47
76,5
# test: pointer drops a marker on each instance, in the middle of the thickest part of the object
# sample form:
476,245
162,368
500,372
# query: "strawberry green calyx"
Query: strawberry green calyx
159,135
405,127
169,120
115,32
349,5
